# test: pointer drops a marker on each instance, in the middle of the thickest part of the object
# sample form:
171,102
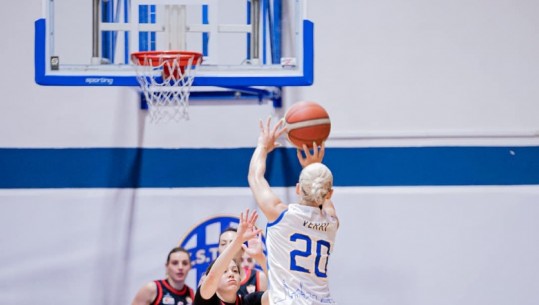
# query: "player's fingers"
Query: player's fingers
315,149
277,126
281,122
247,211
306,150
278,130
283,126
248,219
281,131
268,123
299,154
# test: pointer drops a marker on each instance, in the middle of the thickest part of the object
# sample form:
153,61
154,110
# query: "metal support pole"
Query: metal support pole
255,32
95,32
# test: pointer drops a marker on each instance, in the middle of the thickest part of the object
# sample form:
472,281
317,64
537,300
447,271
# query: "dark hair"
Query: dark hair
213,262
178,249
229,229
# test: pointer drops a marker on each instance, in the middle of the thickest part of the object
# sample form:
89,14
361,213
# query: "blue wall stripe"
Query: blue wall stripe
149,167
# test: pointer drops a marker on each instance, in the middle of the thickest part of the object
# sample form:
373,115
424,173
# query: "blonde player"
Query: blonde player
300,236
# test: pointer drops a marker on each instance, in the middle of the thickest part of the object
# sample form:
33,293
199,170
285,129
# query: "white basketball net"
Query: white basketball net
166,85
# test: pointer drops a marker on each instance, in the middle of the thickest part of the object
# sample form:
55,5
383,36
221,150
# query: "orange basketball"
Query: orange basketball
307,122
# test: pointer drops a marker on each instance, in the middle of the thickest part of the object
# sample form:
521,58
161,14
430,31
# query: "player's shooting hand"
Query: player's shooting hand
307,157
268,135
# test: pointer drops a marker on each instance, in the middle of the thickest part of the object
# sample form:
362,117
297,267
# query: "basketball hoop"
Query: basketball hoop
166,77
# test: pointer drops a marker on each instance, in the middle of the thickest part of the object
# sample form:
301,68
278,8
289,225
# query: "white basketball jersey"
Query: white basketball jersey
299,243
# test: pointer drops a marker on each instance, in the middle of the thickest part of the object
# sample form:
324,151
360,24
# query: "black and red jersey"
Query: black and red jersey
168,295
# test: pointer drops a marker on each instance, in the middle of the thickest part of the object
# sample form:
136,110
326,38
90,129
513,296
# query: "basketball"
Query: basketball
307,122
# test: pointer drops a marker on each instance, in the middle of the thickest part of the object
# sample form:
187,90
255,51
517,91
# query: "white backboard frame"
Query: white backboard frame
295,70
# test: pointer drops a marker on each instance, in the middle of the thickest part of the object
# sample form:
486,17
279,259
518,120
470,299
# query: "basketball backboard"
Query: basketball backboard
244,43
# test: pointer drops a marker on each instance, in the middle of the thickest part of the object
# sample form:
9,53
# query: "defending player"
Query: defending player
251,279
300,236
173,289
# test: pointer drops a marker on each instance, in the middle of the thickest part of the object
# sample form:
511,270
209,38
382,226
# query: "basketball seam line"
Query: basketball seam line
308,123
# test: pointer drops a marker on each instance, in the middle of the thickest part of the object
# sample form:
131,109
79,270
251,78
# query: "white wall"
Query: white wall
391,73
412,67
453,245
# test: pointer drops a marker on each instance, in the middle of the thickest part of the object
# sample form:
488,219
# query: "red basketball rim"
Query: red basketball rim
156,58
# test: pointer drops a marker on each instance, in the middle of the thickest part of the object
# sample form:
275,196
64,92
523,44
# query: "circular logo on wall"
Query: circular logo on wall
202,241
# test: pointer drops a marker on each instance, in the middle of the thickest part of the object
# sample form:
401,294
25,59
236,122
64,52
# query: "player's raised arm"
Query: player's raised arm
214,276
267,201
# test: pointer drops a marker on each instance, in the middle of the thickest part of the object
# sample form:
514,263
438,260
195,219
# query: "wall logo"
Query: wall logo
202,241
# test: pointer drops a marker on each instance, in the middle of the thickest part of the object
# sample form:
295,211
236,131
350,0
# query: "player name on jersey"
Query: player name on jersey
323,226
